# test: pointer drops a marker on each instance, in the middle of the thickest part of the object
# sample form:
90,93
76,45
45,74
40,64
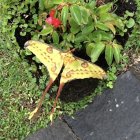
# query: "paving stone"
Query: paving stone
115,115
136,70
59,130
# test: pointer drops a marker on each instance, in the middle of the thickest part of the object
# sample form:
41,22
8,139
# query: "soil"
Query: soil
77,89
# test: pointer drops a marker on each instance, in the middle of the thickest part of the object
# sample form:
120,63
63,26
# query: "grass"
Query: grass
18,91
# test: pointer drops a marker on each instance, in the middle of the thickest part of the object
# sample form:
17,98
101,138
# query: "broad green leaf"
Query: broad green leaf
100,35
96,51
109,54
85,14
130,23
68,45
80,38
104,8
89,48
119,23
55,37
41,5
48,4
111,27
23,33
73,23
75,30
106,17
102,26
46,31
64,15
71,1
76,14
27,52
36,59
95,36
92,4
70,37
57,1
88,29
104,35
130,14
116,52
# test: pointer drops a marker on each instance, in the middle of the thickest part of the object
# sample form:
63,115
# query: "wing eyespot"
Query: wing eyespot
84,64
53,69
49,50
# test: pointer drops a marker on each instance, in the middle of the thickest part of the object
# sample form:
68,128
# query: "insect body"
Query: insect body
53,59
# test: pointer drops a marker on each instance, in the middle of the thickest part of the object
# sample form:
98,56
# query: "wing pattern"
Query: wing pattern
53,59
48,55
80,69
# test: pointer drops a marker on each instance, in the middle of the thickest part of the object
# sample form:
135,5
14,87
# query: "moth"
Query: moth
54,60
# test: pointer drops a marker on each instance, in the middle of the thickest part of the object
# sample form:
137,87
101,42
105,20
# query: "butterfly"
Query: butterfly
54,60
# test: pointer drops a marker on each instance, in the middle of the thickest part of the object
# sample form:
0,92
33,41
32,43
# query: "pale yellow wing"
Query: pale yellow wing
81,69
47,55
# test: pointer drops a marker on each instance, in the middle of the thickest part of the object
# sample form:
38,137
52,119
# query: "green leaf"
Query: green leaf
57,1
36,59
71,1
92,4
70,37
107,17
119,23
85,14
27,52
116,52
80,38
64,15
88,29
89,48
104,35
73,23
95,36
104,8
130,23
41,5
109,54
102,26
48,4
76,14
55,37
46,31
111,27
75,30
96,51
130,14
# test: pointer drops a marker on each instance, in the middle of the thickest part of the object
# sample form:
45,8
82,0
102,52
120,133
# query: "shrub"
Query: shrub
76,24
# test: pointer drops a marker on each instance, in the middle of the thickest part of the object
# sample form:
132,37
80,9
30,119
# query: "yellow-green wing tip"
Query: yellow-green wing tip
30,43
27,43
105,76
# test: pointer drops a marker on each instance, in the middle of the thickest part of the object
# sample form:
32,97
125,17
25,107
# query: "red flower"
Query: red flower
52,20
56,22
49,20
52,13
